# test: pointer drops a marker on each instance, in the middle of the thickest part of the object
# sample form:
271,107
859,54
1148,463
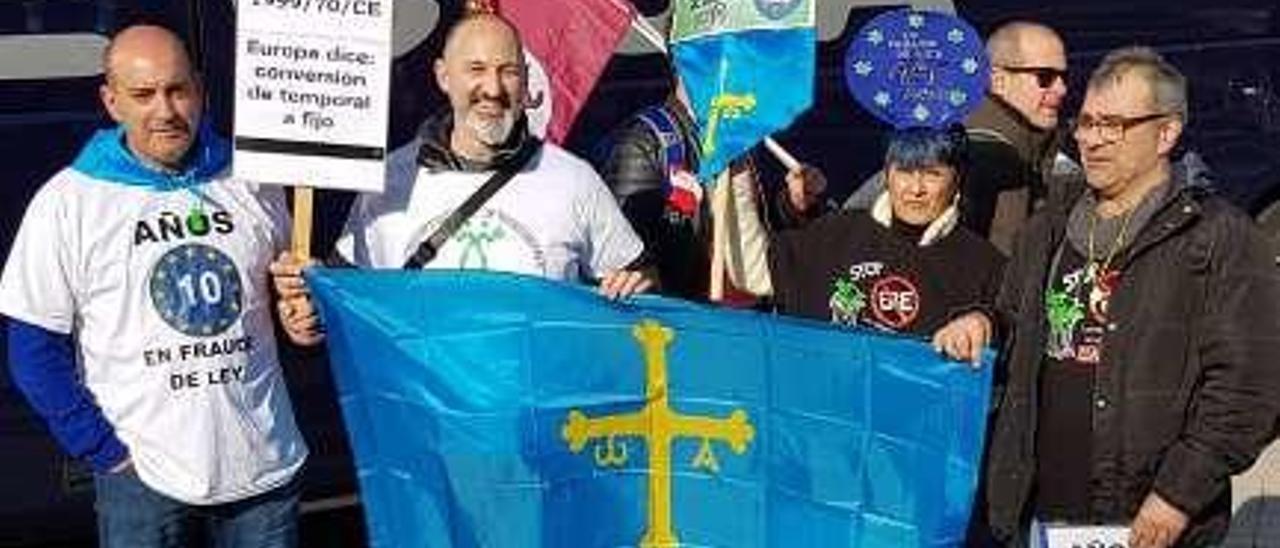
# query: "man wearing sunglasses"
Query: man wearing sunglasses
1012,135
1015,141
1145,315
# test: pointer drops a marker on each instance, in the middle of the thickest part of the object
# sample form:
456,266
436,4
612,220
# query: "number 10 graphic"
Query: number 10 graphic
197,290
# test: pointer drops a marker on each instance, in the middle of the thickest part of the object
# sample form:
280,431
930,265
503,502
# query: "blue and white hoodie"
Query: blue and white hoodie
160,281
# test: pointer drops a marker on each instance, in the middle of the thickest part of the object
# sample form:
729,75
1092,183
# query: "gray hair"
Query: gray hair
1168,85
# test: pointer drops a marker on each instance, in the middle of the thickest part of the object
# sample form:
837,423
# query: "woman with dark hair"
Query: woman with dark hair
905,265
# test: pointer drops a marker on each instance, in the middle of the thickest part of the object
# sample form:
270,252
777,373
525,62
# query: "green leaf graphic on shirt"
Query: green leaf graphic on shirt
1064,313
475,238
847,301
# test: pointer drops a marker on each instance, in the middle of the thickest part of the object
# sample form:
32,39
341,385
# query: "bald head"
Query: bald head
487,25
1014,42
152,92
1028,70
484,74
148,43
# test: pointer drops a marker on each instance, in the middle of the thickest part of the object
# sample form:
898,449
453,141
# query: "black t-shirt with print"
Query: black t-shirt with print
847,269
1076,308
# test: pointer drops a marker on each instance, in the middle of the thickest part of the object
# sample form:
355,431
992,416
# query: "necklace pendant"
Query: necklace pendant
1107,279
197,221
1101,288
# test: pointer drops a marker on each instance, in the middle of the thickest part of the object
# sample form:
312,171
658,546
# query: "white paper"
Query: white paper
313,91
1086,536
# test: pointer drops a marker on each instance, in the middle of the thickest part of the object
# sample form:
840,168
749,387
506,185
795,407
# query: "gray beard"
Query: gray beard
492,132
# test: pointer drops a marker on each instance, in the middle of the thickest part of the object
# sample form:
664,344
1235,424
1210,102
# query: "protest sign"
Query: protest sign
312,92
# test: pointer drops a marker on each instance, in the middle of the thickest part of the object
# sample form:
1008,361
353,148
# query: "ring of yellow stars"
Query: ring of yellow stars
658,425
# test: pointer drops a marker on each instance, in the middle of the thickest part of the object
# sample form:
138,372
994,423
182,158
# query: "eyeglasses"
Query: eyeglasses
1045,76
1110,128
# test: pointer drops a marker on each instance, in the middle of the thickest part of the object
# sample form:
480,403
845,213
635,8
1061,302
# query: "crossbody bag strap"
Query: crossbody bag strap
426,250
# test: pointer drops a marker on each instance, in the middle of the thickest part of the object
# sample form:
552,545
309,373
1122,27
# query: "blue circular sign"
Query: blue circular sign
917,68
197,290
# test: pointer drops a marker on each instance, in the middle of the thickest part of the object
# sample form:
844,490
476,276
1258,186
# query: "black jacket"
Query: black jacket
1189,393
1009,160
676,240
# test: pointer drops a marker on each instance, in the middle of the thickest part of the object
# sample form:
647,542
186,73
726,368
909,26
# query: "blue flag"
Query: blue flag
748,68
495,410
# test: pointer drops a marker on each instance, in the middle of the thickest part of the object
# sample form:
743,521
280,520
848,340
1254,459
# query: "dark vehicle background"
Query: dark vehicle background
1228,48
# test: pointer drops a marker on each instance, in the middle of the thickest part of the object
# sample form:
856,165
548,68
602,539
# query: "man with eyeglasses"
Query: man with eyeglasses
1012,135
1144,315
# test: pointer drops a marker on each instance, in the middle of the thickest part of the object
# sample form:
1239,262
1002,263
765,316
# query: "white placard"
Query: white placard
1086,536
313,82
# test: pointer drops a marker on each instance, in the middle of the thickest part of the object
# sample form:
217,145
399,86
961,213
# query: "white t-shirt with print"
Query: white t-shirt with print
169,306
555,219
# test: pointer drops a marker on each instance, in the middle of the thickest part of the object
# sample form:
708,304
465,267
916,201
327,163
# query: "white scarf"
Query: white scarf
882,212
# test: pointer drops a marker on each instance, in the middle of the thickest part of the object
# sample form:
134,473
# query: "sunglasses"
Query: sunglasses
1045,76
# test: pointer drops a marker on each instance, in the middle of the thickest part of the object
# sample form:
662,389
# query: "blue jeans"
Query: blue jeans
131,515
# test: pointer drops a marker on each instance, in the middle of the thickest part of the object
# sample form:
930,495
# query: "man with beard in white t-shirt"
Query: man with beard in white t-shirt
139,321
554,219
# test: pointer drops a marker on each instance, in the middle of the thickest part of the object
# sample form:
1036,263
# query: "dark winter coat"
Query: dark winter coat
1191,386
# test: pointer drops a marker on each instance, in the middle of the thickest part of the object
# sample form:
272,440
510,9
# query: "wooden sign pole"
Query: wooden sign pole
303,201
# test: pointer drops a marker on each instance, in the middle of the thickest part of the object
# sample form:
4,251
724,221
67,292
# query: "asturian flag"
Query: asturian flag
748,66
567,45
496,410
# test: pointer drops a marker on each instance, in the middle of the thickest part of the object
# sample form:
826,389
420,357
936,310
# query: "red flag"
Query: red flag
568,43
